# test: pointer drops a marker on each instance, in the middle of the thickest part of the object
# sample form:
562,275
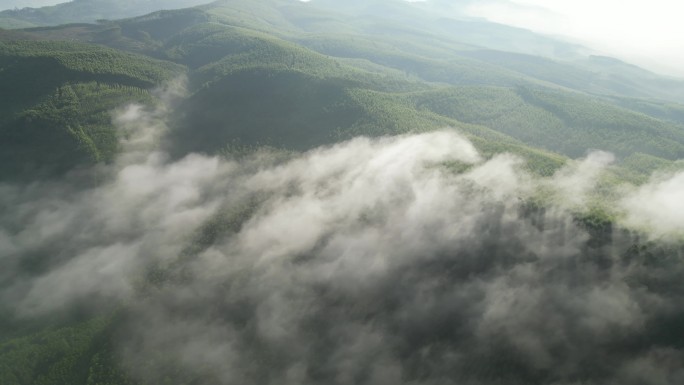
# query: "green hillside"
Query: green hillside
57,102
563,122
257,77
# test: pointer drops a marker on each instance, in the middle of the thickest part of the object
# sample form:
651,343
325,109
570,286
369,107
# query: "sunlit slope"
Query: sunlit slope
441,48
57,102
563,122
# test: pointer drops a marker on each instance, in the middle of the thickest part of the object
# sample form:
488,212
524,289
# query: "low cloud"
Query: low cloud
364,262
576,182
657,206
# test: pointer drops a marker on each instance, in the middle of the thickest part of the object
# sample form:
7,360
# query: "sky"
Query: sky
647,33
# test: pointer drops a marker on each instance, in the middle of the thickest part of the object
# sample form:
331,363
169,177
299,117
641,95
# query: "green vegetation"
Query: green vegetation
78,354
57,102
258,79
563,122
78,62
72,126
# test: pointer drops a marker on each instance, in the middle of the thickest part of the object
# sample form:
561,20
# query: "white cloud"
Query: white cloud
657,206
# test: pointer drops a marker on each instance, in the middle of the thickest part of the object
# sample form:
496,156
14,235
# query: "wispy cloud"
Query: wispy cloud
364,262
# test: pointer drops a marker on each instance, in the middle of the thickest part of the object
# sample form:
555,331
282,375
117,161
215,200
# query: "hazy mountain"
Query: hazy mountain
400,21
86,11
18,4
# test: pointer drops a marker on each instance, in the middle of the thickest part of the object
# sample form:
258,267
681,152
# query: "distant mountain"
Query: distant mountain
400,26
18,4
86,11
57,98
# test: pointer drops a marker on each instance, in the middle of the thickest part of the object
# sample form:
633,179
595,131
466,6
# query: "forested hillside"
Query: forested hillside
376,78
324,192
58,98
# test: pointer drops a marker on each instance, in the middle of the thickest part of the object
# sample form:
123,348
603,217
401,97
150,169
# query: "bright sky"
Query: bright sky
649,33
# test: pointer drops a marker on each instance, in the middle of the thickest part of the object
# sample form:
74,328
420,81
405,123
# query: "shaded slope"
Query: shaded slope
57,98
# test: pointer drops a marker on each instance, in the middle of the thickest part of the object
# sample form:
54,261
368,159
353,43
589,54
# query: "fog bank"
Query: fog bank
371,261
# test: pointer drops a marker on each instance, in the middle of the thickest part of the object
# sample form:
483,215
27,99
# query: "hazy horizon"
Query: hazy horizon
647,34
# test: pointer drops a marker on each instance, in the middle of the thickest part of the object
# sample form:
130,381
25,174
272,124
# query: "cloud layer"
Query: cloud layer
369,261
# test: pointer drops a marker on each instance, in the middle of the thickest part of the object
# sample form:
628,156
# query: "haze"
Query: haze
645,33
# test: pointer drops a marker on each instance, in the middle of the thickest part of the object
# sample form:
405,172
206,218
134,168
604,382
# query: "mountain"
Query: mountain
85,11
316,78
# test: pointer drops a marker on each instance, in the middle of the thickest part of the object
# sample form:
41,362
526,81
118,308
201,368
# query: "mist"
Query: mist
397,260
648,34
